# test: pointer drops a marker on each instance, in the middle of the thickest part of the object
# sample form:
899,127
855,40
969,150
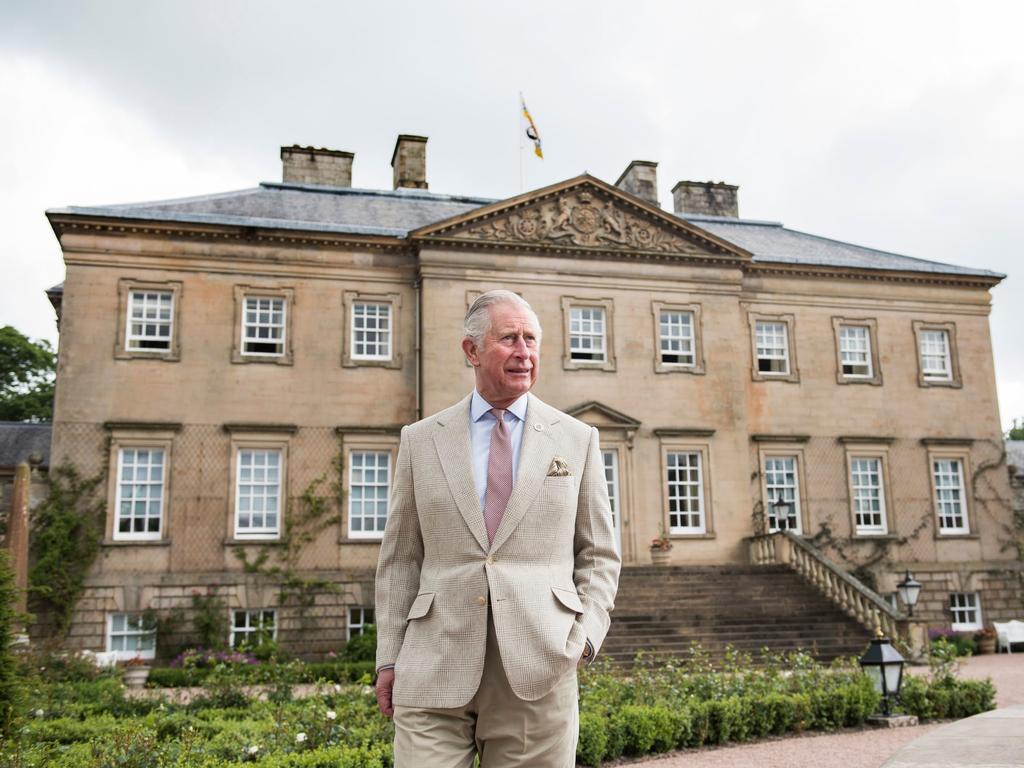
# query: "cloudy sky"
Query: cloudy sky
898,125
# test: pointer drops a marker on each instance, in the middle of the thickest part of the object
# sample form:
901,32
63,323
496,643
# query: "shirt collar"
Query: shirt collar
478,407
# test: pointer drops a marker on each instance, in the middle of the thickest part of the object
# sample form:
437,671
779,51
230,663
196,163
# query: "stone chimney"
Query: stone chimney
308,165
409,162
705,198
641,179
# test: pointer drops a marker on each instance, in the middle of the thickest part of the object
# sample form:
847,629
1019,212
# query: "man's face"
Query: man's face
508,360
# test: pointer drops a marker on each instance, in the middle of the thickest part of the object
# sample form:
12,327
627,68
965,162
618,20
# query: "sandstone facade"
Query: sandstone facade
714,418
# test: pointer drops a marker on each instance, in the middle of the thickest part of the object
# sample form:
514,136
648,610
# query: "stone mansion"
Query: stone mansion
219,355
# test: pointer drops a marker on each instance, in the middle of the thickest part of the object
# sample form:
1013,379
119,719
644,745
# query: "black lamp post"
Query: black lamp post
909,590
884,667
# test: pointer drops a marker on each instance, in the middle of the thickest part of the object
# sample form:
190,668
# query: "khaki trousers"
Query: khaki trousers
504,730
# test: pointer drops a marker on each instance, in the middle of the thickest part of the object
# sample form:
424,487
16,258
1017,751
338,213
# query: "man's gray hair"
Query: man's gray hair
478,318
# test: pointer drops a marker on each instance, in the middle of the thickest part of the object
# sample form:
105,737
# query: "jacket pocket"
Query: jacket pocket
569,598
420,606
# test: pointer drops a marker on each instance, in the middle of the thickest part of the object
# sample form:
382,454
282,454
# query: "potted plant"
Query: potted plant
985,640
661,546
136,672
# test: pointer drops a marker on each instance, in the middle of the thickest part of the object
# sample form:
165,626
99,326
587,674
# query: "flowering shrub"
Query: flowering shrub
207,658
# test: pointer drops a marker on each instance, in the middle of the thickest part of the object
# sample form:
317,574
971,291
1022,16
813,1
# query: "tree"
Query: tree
27,372
1016,431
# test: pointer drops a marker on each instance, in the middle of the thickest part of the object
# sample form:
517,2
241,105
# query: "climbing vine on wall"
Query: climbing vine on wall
306,517
67,528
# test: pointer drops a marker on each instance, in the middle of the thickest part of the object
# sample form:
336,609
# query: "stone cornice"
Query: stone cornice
233,427
143,426
871,275
765,438
110,226
682,432
866,439
947,441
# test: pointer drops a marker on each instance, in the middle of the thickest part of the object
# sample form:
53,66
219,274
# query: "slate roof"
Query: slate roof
19,439
309,207
395,213
770,242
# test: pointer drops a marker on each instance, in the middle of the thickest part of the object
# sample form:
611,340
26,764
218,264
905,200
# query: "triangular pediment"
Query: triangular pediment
602,416
581,214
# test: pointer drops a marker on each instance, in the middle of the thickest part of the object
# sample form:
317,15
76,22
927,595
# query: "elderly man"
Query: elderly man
498,567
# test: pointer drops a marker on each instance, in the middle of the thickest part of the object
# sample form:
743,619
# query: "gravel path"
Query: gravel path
862,748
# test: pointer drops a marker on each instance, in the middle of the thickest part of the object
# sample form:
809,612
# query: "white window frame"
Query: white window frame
596,332
855,351
961,605
927,348
383,336
671,332
249,627
856,499
610,461
673,494
959,490
357,627
282,326
119,498
354,502
128,632
771,491
132,340
263,531
766,353
599,310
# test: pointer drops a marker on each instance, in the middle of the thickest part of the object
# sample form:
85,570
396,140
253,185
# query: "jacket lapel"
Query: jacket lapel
455,454
535,455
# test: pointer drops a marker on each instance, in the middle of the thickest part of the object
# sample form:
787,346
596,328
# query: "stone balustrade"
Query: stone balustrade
856,600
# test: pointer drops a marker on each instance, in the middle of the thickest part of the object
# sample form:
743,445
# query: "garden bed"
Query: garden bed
659,706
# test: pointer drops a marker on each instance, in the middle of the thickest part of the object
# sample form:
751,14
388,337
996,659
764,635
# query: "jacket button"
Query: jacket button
490,561
481,600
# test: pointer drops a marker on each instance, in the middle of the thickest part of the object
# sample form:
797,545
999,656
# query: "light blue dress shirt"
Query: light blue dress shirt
481,422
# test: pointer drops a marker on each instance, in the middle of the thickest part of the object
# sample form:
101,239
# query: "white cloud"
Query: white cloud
63,141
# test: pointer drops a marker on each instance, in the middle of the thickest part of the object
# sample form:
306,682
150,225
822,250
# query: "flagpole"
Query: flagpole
519,128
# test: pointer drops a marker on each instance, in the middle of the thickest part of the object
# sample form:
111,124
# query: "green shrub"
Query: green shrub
362,647
593,740
10,686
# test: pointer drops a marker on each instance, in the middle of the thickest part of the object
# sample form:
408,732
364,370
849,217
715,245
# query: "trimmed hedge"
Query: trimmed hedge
311,672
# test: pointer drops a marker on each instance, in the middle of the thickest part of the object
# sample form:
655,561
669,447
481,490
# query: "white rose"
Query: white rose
300,737
331,714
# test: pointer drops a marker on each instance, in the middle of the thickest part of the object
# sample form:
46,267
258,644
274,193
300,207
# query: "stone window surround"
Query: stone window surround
954,380
875,379
258,438
138,436
607,304
866,450
375,441
126,655
698,368
781,449
124,287
348,300
963,454
698,441
790,322
241,292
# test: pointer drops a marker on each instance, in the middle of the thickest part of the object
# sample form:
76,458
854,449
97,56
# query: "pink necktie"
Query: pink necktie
499,474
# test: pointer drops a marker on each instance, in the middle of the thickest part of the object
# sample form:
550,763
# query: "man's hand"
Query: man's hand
385,682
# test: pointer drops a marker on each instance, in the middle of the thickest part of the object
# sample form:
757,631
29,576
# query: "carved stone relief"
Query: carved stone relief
583,219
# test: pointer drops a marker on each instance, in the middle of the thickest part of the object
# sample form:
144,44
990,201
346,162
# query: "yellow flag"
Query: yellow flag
531,130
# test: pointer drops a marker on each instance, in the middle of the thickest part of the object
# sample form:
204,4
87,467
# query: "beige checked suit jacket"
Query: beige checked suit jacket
550,574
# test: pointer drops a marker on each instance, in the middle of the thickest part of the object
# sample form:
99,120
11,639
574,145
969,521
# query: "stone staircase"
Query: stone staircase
665,609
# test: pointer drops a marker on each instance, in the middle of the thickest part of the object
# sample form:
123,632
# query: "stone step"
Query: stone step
667,609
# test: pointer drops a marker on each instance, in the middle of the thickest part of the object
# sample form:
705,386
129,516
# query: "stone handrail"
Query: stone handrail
856,600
